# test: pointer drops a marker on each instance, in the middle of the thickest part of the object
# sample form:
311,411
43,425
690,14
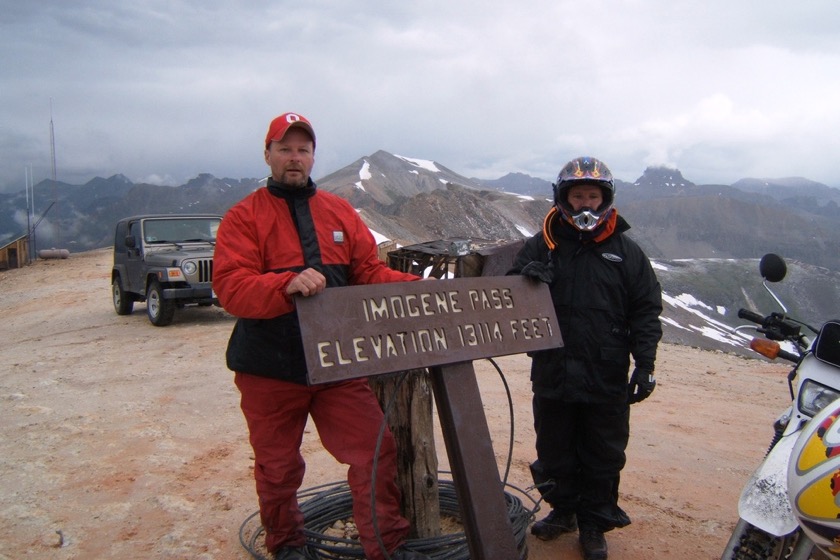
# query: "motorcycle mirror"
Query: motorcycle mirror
772,267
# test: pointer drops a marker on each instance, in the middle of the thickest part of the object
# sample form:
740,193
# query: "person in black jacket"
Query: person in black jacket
608,303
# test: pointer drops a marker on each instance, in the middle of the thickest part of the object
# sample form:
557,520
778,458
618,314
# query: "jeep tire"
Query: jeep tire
123,302
159,310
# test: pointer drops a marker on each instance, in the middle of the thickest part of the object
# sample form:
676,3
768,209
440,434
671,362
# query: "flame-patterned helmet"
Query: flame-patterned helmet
584,170
814,480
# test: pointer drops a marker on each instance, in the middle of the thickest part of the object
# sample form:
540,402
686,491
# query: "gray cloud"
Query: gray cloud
162,91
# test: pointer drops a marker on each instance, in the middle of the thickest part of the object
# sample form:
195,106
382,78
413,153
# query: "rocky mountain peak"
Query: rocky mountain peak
663,176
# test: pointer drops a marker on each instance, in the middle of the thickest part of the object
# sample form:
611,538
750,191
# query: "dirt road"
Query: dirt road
122,440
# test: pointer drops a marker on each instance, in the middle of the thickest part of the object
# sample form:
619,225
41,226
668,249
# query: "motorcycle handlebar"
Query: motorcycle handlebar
751,316
789,356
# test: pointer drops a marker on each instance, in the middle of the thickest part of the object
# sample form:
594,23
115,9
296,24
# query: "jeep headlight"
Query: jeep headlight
814,396
190,268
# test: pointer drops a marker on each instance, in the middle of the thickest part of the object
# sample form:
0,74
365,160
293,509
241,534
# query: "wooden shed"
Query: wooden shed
456,257
15,254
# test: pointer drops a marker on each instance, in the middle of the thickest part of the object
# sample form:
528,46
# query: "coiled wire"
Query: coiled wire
322,506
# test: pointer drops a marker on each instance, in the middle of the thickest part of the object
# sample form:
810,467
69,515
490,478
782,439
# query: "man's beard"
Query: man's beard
294,183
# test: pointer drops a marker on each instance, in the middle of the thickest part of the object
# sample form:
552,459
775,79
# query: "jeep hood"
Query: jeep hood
167,255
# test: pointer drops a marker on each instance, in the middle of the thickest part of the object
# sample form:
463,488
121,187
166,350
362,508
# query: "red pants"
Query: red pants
348,418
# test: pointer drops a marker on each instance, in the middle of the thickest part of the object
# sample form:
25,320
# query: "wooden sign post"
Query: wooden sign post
362,331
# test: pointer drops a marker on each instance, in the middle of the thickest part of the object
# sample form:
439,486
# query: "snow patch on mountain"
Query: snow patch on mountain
421,163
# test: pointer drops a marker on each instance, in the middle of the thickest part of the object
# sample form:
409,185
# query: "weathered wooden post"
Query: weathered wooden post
408,395
443,325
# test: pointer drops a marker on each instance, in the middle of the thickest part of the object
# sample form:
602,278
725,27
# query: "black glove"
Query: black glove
641,385
538,271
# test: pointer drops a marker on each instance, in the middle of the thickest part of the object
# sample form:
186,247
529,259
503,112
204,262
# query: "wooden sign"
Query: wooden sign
360,331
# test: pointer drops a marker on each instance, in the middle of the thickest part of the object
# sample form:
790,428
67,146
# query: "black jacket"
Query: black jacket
608,303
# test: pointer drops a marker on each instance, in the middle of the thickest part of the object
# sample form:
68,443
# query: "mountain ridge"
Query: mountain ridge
411,200
704,240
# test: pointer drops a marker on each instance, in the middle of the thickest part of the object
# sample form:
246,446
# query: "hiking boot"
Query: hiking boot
594,544
290,553
554,525
402,553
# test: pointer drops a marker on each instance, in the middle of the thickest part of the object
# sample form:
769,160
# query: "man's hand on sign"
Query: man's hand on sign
307,283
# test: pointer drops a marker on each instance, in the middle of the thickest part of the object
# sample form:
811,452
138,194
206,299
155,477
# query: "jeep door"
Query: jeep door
135,283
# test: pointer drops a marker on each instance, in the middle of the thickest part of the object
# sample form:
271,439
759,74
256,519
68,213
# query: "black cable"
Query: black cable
329,503
332,502
510,410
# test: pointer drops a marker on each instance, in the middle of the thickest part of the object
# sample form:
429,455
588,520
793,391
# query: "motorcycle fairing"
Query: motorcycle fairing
764,502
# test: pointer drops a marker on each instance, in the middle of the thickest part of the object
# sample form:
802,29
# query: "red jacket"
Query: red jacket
263,242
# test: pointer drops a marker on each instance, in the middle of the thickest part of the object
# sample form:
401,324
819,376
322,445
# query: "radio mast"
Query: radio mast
56,238
52,143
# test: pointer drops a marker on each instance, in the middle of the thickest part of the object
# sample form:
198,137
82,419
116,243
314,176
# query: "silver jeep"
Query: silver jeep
166,261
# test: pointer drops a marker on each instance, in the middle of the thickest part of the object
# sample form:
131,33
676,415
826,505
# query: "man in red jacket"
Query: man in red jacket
291,239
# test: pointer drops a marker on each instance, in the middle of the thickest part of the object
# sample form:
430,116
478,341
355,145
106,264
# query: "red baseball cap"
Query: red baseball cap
279,126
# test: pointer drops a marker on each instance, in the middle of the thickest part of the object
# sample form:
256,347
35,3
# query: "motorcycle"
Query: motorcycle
769,528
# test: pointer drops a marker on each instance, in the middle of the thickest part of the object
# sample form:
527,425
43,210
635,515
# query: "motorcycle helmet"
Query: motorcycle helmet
814,480
584,170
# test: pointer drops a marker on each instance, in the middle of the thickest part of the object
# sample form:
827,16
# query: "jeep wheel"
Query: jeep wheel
123,303
159,310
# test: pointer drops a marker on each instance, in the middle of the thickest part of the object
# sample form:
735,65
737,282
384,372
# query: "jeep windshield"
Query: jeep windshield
181,230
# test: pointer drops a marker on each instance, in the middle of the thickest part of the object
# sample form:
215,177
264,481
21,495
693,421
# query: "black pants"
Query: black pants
580,448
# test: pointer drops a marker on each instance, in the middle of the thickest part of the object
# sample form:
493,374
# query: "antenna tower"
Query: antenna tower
52,142
57,235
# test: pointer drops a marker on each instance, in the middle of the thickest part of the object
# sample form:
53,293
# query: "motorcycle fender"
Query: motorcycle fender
764,501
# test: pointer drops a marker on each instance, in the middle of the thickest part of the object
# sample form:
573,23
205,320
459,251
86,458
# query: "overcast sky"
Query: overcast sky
161,91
